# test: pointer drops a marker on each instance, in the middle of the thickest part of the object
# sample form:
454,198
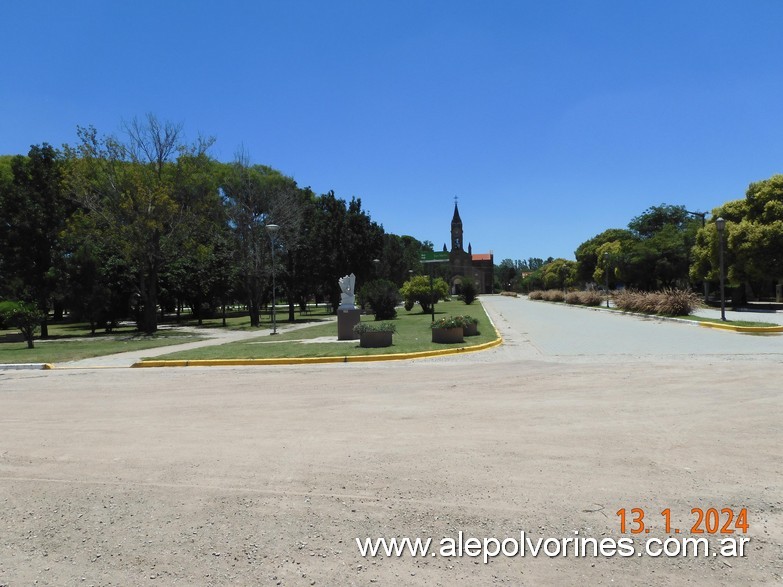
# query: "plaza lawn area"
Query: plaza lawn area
413,335
72,341
238,319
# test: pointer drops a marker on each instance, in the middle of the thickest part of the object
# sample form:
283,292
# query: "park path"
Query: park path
214,337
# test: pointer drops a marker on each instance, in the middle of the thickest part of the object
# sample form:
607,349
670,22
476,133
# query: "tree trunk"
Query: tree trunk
149,295
254,309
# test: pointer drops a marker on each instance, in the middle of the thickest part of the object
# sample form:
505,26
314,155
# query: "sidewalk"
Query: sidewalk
216,336
747,315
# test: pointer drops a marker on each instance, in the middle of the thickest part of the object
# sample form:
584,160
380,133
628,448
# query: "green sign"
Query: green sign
434,257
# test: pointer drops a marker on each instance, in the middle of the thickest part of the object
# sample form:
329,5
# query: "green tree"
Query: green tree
559,274
27,317
257,196
753,239
346,241
133,189
587,256
610,259
506,273
34,213
99,283
400,257
417,289
656,218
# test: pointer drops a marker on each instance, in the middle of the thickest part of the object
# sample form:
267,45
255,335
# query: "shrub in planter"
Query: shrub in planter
448,330
469,325
375,335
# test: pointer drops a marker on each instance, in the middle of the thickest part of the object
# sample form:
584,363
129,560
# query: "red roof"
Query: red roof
482,257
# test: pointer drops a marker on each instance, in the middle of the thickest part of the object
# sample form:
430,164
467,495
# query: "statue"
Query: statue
347,298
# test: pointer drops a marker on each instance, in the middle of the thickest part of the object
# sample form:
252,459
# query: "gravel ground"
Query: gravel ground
266,476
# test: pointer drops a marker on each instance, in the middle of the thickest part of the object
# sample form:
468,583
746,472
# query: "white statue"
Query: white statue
347,298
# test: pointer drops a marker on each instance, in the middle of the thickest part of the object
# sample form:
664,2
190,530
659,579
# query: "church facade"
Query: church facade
467,265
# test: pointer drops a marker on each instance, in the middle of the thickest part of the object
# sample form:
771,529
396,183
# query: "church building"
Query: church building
465,265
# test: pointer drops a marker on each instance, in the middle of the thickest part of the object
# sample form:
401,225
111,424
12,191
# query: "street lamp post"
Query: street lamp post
606,270
720,224
272,230
703,216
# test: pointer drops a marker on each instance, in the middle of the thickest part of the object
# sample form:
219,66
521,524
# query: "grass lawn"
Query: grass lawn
71,342
413,335
728,322
239,319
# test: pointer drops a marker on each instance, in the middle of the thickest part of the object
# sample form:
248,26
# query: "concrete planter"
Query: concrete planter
471,329
448,335
375,340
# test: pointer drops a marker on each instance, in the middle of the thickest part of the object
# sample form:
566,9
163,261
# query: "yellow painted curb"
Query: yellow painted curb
318,360
756,329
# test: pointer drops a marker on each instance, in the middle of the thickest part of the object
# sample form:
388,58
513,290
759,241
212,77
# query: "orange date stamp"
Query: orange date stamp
704,521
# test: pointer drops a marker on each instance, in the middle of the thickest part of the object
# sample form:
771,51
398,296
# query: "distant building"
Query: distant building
465,265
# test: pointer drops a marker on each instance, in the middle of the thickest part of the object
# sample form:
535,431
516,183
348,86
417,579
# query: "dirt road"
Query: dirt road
266,476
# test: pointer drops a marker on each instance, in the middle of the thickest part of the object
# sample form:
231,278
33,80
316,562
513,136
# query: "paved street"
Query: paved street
548,331
266,476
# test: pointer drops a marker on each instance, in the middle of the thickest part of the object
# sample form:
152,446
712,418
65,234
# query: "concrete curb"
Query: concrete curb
749,329
318,360
25,366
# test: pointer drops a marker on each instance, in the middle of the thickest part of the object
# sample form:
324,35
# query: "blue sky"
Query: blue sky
551,120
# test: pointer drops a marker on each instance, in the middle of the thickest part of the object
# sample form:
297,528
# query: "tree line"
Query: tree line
111,228
668,246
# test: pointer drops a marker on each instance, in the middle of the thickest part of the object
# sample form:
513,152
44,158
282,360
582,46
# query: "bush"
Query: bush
363,327
382,296
583,298
467,319
667,302
511,294
24,316
554,295
469,292
4,308
449,322
590,298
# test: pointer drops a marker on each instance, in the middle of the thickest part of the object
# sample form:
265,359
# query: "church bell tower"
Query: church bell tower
456,230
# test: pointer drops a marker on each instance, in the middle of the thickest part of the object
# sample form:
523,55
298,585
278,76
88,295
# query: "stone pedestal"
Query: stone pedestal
346,320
